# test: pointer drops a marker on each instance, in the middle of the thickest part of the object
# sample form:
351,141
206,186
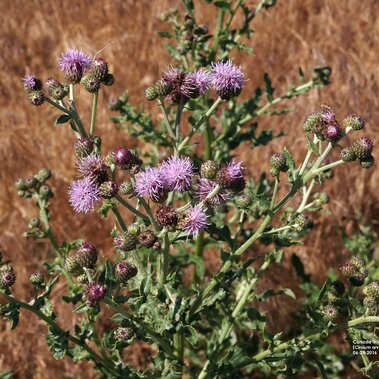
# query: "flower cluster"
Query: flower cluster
225,78
78,67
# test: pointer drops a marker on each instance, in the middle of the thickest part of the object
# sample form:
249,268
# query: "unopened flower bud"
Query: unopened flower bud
166,216
354,122
108,189
72,266
358,262
125,271
93,293
108,80
124,158
332,132
314,123
45,192
43,175
36,279
90,83
370,302
321,198
134,229
367,162
372,290
347,154
362,147
330,312
161,88
244,201
7,276
303,222
55,89
21,184
86,256
125,241
99,68
157,246
126,188
359,278
147,238
209,169
36,97
278,162
83,147
150,94
31,182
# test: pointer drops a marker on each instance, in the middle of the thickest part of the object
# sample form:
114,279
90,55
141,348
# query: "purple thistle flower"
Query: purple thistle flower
179,83
31,83
177,173
83,195
230,176
205,187
227,79
332,132
93,293
200,82
150,183
327,114
196,220
93,167
73,63
234,169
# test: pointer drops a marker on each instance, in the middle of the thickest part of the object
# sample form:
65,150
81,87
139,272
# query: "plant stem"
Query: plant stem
177,127
167,121
207,142
220,22
309,335
163,260
93,114
56,105
123,202
329,166
95,357
149,213
203,118
276,188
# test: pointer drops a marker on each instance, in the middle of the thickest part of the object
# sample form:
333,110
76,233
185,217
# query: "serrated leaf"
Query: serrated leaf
289,159
270,293
321,294
62,119
192,336
312,146
269,88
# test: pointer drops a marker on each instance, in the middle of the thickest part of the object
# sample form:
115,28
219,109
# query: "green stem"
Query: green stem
208,142
177,127
216,42
123,202
119,218
309,335
149,213
56,105
163,261
329,166
276,188
96,357
94,113
167,120
203,118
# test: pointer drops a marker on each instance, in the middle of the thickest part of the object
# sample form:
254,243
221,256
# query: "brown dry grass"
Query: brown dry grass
342,34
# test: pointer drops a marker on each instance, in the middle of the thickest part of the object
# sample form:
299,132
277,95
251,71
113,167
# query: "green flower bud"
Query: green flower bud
36,279
209,170
244,201
372,290
125,241
122,334
362,147
303,222
86,256
150,94
354,122
125,271
134,229
367,162
147,238
108,189
161,88
45,192
90,83
278,162
21,184
55,89
330,313
314,123
108,80
36,98
72,266
43,175
347,154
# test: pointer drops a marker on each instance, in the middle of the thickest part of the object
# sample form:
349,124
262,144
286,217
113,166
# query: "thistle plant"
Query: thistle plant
183,199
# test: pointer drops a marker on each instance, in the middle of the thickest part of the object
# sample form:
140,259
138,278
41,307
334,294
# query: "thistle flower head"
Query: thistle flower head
166,215
93,293
227,79
332,132
179,83
73,63
125,158
150,183
176,173
83,195
327,114
93,167
124,271
86,256
230,176
31,83
196,220
205,187
200,82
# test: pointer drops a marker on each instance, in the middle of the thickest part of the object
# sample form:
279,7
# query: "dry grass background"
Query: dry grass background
343,34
